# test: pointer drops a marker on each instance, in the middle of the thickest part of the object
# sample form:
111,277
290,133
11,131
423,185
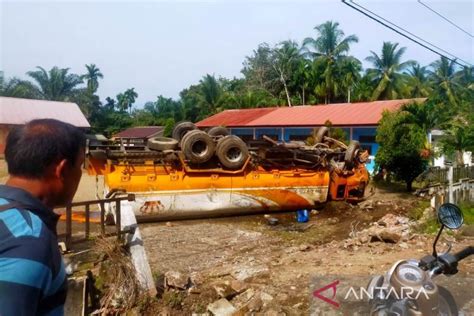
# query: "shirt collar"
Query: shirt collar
28,201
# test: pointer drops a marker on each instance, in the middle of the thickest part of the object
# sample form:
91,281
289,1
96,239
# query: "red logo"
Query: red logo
332,286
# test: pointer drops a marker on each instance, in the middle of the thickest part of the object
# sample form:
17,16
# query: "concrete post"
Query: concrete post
450,187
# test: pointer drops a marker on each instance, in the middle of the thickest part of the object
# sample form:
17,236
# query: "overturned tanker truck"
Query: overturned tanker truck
198,174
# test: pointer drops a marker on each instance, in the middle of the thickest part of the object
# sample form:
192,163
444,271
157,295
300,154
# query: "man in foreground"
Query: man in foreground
44,159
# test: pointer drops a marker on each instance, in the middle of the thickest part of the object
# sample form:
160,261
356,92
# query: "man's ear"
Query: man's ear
60,169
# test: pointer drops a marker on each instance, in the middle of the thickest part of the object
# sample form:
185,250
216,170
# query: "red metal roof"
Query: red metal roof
342,114
140,132
238,117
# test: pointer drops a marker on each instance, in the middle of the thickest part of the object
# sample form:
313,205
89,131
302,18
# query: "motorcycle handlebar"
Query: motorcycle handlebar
466,252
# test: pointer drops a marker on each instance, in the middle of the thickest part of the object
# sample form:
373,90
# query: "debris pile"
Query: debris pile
389,229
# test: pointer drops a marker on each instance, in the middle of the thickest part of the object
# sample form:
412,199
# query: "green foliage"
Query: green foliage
173,298
386,74
57,84
467,209
400,147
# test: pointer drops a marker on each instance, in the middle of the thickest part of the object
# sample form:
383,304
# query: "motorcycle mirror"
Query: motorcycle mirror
450,215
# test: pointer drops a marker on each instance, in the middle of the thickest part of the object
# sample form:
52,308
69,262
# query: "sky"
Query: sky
162,47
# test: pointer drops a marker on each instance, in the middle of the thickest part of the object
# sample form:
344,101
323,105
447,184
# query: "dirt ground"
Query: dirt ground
282,264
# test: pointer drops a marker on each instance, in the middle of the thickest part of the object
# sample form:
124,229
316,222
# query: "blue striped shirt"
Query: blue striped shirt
32,275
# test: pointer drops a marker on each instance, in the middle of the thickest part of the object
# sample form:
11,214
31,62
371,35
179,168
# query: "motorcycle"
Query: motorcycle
407,289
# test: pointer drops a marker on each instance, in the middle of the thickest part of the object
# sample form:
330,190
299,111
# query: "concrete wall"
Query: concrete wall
463,191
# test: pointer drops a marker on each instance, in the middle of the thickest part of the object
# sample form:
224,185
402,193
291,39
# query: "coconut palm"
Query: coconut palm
17,88
209,94
418,81
329,49
387,72
126,99
349,74
56,84
92,77
443,75
287,57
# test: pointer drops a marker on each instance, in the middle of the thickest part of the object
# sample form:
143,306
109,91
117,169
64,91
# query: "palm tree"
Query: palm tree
330,47
92,76
386,73
349,70
443,75
55,85
209,94
17,88
418,81
126,99
286,63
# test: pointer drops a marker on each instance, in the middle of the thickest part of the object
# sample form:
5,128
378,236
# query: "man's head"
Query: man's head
48,151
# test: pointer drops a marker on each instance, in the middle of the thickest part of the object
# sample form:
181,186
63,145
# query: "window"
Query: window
299,137
367,138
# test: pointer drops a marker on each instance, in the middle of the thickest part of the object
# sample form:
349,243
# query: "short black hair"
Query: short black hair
33,147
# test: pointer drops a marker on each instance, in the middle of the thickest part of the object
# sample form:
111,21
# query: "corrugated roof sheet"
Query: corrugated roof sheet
140,132
342,114
16,111
240,117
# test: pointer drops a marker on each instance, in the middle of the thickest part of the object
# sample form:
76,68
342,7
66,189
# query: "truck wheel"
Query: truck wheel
351,153
162,143
218,131
322,132
232,152
183,139
182,128
198,147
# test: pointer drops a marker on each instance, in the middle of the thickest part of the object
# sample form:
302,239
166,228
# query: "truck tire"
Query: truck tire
198,147
232,152
162,143
322,132
181,129
218,131
351,153
183,139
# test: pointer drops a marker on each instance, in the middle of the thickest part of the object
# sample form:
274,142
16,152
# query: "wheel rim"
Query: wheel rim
234,154
199,148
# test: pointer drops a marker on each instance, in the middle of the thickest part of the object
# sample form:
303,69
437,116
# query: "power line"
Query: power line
406,31
404,35
444,18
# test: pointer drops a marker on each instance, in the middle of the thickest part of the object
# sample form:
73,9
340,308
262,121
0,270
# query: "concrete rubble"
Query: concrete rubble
389,229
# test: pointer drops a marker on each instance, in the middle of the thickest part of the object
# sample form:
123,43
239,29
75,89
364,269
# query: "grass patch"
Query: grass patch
430,226
467,209
416,213
173,299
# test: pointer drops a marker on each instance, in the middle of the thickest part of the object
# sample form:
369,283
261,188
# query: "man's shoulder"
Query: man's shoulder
16,222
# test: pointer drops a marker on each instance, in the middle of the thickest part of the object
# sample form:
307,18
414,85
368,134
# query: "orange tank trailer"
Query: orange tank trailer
164,192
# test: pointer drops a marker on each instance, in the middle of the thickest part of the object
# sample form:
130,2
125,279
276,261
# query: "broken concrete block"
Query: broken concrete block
221,307
224,290
176,280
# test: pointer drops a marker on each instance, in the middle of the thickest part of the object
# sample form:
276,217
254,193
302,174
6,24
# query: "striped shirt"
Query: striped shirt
32,275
